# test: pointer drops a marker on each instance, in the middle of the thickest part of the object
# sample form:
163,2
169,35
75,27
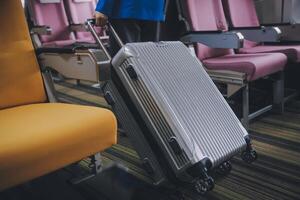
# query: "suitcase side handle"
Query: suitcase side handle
90,23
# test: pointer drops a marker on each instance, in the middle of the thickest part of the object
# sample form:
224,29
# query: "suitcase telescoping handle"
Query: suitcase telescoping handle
90,25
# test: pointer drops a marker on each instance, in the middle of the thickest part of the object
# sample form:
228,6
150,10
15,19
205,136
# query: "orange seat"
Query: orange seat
39,137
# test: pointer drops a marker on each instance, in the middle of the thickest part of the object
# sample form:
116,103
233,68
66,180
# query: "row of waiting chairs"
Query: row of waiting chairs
62,40
241,14
251,60
65,19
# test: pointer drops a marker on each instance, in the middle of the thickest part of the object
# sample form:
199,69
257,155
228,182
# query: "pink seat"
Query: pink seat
291,51
255,66
79,11
242,13
208,15
52,13
59,43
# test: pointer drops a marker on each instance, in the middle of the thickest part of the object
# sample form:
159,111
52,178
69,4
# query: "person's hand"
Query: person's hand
101,19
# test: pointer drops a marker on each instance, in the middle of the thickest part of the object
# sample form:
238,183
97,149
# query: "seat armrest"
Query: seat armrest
290,31
82,64
41,30
276,24
260,34
215,39
78,28
49,85
58,50
70,49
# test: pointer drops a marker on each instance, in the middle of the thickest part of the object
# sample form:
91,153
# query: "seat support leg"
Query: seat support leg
96,168
48,82
245,120
96,163
278,93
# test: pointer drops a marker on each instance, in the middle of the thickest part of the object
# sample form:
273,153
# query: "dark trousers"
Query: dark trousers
133,31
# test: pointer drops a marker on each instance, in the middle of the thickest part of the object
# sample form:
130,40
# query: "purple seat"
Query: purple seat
242,13
52,13
79,11
255,66
207,15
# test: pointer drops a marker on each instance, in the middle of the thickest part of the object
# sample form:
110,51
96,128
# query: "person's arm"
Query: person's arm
103,11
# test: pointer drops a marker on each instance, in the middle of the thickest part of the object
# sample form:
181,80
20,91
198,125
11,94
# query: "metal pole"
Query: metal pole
245,120
98,40
115,34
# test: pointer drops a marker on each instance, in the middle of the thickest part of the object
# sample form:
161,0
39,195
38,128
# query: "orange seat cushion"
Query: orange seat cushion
20,77
40,138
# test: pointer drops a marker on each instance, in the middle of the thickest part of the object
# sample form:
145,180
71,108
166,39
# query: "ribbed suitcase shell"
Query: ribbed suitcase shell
133,131
177,99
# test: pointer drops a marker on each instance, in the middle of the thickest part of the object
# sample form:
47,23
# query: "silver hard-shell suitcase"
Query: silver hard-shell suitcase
186,124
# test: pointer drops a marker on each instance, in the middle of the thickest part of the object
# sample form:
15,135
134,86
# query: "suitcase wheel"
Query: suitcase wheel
249,156
224,168
202,186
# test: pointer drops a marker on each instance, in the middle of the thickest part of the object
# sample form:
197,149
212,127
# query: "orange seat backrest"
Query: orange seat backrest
20,77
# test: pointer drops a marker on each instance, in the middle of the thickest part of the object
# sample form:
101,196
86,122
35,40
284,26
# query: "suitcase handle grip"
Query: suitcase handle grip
90,23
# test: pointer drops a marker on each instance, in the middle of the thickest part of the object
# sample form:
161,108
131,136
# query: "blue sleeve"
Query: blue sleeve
105,7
